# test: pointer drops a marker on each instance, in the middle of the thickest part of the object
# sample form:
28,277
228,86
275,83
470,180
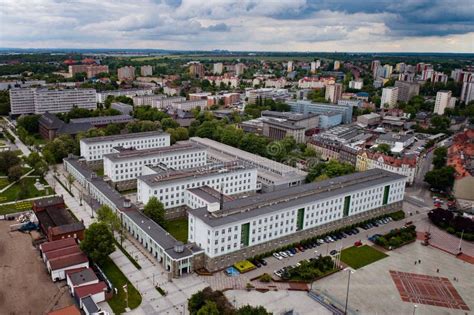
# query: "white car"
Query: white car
283,254
289,253
277,256
277,273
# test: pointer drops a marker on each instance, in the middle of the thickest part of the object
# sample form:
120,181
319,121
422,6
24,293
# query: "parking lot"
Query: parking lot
26,287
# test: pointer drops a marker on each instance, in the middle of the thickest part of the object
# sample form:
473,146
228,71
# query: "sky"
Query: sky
245,25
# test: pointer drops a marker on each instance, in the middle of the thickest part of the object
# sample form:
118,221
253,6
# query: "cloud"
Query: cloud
240,24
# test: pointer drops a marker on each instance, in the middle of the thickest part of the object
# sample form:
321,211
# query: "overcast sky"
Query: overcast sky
271,25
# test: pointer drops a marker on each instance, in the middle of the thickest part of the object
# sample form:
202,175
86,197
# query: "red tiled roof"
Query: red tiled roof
62,252
49,246
68,261
393,161
90,289
68,310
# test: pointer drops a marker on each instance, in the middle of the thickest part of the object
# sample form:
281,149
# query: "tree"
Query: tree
14,173
442,178
98,242
383,148
210,308
155,210
4,102
29,122
7,160
107,216
70,180
169,123
327,170
439,157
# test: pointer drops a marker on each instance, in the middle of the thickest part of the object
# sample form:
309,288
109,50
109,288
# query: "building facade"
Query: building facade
389,97
126,73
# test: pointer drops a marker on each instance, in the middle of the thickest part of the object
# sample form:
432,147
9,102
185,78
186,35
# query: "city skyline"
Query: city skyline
297,26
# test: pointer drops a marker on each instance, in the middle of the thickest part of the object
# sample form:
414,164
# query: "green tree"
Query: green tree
7,160
383,148
441,178
29,122
169,123
440,157
98,242
209,308
4,102
14,173
155,210
107,216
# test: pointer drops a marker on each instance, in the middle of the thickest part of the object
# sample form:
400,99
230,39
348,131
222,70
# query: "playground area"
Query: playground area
26,285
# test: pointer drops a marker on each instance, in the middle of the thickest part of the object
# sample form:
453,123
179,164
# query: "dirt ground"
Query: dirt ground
25,285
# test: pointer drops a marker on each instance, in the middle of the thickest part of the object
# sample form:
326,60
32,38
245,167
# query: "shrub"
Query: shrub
450,230
265,278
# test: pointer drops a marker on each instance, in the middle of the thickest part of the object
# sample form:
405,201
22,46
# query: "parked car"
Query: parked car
277,256
278,273
357,243
263,262
297,264
293,251
257,263
333,252
283,254
289,253
320,241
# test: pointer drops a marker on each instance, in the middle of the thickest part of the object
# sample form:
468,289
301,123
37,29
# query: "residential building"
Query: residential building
289,66
356,84
389,97
271,175
90,70
146,100
103,121
467,92
102,96
225,81
459,75
231,98
443,101
166,102
196,69
337,65
407,90
39,101
7,85
315,83
333,92
170,187
461,158
405,165
374,66
245,227
400,67
306,107
266,93
276,83
93,149
127,165
126,73
146,71
387,71
218,68
239,69
189,105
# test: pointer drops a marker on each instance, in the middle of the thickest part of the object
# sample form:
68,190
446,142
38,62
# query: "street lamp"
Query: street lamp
347,293
460,241
414,308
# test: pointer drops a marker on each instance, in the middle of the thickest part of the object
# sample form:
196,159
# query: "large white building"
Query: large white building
93,149
443,101
167,101
389,97
333,92
146,71
189,105
264,222
128,164
467,93
143,100
40,101
217,68
271,175
102,96
170,187
356,84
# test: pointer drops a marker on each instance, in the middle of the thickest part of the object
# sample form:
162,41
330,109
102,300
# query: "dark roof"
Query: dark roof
68,261
68,228
62,252
209,194
53,217
103,120
90,305
50,121
54,245
90,289
285,125
124,136
249,207
49,201
81,277
74,128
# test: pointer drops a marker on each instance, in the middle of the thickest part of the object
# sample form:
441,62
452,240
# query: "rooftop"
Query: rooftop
100,120
68,310
209,194
253,206
81,277
288,115
68,261
54,245
91,289
147,134
62,252
90,305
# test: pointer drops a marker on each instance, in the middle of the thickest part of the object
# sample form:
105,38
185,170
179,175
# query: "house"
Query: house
55,245
96,291
68,310
57,267
80,277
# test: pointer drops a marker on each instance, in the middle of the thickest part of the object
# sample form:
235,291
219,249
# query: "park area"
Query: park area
12,198
358,257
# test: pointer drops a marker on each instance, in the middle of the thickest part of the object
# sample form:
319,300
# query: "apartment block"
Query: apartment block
443,101
333,92
217,68
407,90
146,71
126,73
102,96
389,97
93,149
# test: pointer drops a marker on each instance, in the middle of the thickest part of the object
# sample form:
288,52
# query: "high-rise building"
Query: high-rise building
467,93
459,75
374,66
239,69
90,70
387,69
356,84
126,73
337,65
146,71
289,66
196,70
406,90
443,101
39,101
400,67
313,66
333,92
218,68
389,97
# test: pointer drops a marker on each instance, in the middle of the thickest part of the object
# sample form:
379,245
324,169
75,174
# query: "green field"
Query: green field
16,207
179,229
118,279
24,189
358,257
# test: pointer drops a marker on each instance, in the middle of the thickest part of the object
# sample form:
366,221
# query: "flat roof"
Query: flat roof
209,194
167,176
146,134
90,305
253,206
103,119
283,124
83,276
132,154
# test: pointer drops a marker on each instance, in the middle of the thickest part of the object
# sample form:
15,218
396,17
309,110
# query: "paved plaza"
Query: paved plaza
372,290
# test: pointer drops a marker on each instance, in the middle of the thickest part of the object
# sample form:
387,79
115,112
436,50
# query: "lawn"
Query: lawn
24,189
358,257
4,182
179,229
118,301
16,207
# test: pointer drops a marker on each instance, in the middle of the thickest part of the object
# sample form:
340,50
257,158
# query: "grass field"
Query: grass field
118,301
16,207
358,257
179,229
25,189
